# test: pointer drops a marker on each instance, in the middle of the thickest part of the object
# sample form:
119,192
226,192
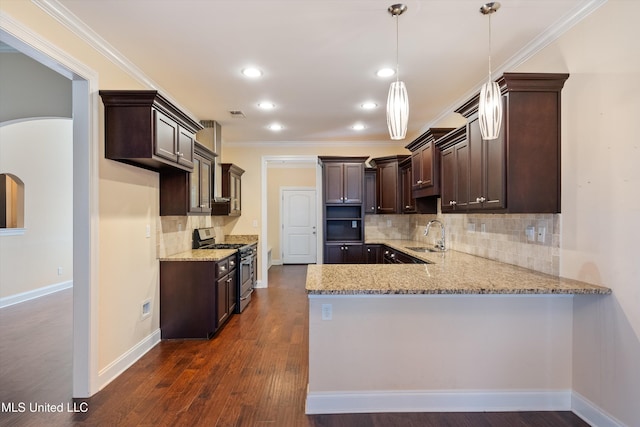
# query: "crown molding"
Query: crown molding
561,26
74,24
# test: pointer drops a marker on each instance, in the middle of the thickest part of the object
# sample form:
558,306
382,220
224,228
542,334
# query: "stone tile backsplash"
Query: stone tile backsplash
499,237
175,234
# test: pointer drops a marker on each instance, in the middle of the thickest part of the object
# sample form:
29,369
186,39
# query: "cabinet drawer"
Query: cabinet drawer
222,267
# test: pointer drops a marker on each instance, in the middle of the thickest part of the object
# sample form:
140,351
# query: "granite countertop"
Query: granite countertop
212,254
451,273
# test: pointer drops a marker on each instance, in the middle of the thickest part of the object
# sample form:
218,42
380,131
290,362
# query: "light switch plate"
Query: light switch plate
530,232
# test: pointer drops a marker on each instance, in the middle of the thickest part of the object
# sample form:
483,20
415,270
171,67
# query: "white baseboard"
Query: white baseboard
36,293
592,414
437,401
118,366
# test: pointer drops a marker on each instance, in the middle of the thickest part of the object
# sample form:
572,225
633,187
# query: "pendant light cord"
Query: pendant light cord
397,49
490,79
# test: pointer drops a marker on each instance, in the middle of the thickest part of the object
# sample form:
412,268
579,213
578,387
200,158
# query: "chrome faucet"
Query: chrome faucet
440,243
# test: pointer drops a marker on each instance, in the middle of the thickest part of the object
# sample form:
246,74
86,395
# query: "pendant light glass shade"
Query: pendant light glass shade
490,110
490,103
397,100
397,110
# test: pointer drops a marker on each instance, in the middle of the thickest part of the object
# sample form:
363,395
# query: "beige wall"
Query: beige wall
128,202
30,261
600,184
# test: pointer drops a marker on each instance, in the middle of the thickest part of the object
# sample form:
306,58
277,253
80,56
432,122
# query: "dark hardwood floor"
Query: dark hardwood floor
253,373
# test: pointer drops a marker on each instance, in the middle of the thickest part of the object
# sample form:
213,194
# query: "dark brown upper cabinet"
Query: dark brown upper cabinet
455,171
343,179
370,201
407,201
425,163
388,189
188,193
520,171
144,129
231,181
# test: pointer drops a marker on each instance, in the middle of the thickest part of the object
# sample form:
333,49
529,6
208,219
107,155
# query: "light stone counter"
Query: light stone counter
201,255
451,273
213,254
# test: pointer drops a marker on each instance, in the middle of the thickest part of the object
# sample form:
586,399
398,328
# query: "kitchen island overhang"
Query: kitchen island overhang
403,338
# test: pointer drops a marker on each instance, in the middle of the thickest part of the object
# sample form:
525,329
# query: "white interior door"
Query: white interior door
299,226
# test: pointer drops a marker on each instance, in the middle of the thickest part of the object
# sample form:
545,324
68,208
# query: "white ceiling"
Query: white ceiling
319,57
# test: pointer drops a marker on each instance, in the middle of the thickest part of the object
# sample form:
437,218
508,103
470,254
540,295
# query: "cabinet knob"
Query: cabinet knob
368,250
453,203
223,268
419,181
346,248
379,207
407,207
480,199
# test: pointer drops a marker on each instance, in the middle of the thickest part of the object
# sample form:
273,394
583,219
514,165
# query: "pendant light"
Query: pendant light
397,101
490,104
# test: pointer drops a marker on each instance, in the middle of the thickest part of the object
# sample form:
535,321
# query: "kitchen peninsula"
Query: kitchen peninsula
463,333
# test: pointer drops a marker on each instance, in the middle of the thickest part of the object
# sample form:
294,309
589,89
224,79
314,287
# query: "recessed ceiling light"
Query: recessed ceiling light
358,126
385,72
276,126
251,72
266,105
368,105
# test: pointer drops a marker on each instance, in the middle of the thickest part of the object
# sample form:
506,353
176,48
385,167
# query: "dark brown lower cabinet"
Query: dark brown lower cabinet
373,254
344,253
196,297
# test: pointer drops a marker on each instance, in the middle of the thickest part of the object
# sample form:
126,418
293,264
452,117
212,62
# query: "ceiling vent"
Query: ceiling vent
237,114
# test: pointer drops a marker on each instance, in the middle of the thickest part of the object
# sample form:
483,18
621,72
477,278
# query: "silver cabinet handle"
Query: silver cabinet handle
480,199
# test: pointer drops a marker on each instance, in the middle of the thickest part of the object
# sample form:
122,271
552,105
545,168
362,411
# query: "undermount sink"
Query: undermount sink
423,249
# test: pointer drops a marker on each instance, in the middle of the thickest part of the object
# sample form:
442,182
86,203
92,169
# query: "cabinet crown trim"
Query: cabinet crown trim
452,138
521,82
431,135
148,98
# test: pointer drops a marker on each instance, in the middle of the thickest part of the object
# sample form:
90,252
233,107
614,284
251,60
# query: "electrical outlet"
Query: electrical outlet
146,309
327,311
542,231
148,231
483,228
471,227
59,271
388,223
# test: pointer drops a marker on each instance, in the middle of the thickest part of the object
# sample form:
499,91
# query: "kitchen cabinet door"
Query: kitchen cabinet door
387,184
486,169
370,201
407,200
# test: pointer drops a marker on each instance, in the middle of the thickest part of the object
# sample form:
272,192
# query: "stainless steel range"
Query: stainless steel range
204,238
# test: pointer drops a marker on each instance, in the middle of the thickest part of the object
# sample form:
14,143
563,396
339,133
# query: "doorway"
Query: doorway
85,196
299,225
